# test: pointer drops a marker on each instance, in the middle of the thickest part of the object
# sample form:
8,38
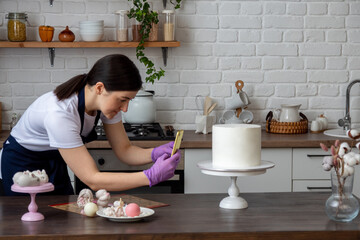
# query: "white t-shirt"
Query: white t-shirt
49,124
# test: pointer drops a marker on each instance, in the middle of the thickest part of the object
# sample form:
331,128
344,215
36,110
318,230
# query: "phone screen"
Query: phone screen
177,143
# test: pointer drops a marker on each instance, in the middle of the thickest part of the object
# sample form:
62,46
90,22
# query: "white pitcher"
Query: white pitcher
289,113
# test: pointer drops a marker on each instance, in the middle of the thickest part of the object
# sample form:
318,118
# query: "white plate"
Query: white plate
144,212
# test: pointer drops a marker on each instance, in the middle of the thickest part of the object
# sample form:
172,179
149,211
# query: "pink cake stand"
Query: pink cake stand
33,214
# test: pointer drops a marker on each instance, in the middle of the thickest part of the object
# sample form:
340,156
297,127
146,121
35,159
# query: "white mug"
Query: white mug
230,117
246,116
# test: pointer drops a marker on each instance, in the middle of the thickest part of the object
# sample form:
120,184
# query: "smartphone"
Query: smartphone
177,143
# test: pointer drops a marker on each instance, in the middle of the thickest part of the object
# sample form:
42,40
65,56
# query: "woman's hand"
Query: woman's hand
163,168
161,150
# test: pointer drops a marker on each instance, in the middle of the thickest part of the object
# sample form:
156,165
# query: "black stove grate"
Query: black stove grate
147,131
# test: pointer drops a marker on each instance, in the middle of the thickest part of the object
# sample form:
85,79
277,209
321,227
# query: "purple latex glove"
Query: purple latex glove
163,168
161,150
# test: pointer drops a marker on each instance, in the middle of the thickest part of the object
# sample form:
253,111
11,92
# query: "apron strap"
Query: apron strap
81,109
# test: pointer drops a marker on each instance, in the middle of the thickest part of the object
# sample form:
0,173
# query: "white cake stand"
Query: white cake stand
234,201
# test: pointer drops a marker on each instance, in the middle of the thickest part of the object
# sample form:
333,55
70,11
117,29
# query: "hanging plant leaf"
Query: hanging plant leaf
177,4
146,17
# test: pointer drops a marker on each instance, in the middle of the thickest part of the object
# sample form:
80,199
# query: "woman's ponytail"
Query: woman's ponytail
117,72
68,88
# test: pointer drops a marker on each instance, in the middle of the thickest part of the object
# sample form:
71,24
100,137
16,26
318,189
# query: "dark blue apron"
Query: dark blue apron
16,158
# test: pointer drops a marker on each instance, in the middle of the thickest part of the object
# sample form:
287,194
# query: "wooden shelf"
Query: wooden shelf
113,44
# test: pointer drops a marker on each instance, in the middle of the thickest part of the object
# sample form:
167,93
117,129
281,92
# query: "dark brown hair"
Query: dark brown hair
117,72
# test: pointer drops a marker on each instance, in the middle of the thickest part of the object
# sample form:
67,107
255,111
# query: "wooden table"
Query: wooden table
190,216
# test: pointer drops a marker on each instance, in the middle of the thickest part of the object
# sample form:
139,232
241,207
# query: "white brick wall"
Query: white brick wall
301,51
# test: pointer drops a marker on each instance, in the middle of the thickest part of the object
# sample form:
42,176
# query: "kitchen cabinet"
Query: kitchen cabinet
296,170
308,174
112,44
277,179
312,185
307,163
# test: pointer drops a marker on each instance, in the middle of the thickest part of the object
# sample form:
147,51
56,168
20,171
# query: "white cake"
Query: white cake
236,146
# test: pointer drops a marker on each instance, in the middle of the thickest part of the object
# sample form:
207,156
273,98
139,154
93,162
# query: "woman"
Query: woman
51,133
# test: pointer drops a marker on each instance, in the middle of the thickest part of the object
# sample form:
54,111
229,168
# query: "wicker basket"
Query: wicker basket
273,126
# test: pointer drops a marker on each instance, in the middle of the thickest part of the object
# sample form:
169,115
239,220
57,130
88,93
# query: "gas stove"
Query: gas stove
147,131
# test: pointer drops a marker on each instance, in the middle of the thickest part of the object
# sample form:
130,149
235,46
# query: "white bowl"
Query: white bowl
92,22
90,37
91,26
91,31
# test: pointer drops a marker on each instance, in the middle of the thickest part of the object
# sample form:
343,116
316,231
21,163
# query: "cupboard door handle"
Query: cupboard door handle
317,155
318,188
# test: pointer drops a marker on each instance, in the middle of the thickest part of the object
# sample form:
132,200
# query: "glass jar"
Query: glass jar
16,26
154,31
135,29
153,35
169,25
122,25
341,206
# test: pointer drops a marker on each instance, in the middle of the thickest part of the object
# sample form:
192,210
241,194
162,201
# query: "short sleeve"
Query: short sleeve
117,118
63,129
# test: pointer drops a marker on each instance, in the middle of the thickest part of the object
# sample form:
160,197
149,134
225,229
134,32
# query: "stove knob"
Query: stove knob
101,161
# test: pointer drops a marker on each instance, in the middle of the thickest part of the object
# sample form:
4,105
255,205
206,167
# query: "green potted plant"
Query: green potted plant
142,12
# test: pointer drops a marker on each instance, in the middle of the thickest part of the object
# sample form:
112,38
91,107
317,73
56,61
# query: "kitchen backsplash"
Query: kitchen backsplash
303,52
